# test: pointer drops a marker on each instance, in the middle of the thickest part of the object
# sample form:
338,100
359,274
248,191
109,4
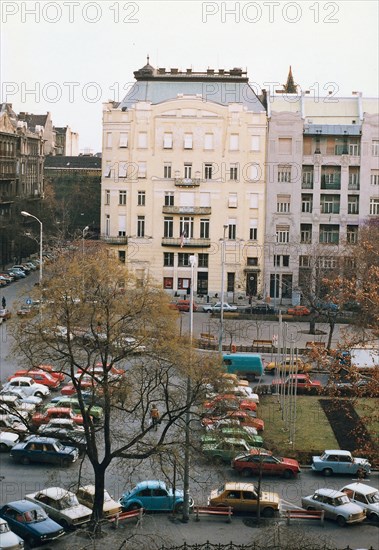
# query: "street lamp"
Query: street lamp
83,235
222,288
27,215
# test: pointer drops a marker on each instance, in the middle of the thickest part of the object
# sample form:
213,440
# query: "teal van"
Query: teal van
244,365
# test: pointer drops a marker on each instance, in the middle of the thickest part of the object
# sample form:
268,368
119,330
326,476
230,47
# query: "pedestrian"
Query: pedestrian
154,416
4,302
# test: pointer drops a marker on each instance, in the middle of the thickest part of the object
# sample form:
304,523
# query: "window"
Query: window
107,197
203,260
107,169
183,259
187,141
169,198
255,143
354,177
121,256
233,172
304,261
284,174
208,142
208,171
282,233
252,261
353,204
204,228
188,171
230,282
122,198
374,207
326,262
307,177
283,204
253,230
331,178
306,233
107,225
167,140
142,169
306,203
374,177
140,226
352,234
234,142
186,227
168,282
354,149
286,286
253,200
142,140
329,234
168,259
122,169
141,198
232,200
184,283
330,204
109,140
375,148
285,146
123,141
168,227
232,230
167,170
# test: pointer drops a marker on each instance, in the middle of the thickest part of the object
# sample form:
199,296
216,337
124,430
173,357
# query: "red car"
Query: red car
301,382
184,305
244,418
39,376
298,310
56,412
50,369
257,461
230,401
98,370
85,384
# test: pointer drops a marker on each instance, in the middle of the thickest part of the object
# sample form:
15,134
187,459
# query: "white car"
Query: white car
12,424
28,386
16,404
7,441
336,505
217,307
8,539
62,506
34,400
365,496
86,496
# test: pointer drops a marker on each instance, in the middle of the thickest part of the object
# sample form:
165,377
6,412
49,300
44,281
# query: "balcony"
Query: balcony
188,243
199,210
353,186
114,240
187,182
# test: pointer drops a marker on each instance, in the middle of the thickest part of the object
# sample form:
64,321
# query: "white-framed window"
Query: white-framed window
141,198
330,204
353,204
208,142
122,197
108,140
122,169
169,198
168,227
352,234
283,204
188,138
121,226
285,145
255,143
123,140
284,173
375,148
167,170
232,229
306,233
107,225
304,261
204,228
186,227
374,206
253,230
167,140
232,200
354,149
307,177
253,200
140,226
329,234
306,203
142,169
107,197
282,233
234,142
107,169
207,171
233,171
353,178
187,170
327,262
142,140
374,177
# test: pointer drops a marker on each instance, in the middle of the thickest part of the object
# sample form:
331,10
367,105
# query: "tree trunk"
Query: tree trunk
97,510
332,324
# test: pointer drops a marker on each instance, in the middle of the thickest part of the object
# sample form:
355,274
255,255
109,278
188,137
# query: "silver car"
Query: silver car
336,505
365,496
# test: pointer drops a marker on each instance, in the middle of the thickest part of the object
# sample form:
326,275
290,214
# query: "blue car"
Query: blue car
30,522
153,496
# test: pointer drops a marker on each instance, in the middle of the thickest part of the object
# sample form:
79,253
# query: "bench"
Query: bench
263,344
126,515
305,514
214,511
320,345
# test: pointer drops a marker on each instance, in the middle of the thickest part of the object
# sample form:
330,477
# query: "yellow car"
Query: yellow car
297,366
243,497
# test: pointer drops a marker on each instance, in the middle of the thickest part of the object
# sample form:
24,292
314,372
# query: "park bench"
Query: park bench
223,511
138,513
259,344
305,514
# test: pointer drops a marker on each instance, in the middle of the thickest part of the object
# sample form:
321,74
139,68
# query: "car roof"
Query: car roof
337,452
21,379
59,409
239,486
41,439
90,489
330,493
361,488
151,484
55,493
22,505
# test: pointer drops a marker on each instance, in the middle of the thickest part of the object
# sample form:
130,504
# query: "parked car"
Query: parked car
56,412
257,460
22,267
12,424
364,496
327,306
209,308
7,278
68,433
7,441
5,314
39,376
153,495
96,411
260,309
61,505
245,418
183,305
223,450
229,401
98,370
236,432
337,461
298,311
243,497
302,382
336,505
30,522
14,403
288,365
32,399
25,311
18,273
4,281
8,539
52,371
44,450
86,496
28,386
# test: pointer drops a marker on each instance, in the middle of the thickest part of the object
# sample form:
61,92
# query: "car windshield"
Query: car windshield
342,500
67,501
373,498
33,516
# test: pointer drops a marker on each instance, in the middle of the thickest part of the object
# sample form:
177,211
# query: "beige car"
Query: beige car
243,497
86,496
297,366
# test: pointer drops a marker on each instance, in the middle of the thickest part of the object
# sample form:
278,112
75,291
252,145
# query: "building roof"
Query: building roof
82,162
33,120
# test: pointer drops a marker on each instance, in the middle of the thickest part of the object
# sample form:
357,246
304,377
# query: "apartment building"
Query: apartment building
183,165
322,184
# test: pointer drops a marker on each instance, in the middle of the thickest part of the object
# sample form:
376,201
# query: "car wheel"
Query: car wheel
3,448
38,394
66,526
361,473
310,508
341,521
288,474
179,508
246,472
373,517
66,462
327,472
134,506
32,541
268,512
25,460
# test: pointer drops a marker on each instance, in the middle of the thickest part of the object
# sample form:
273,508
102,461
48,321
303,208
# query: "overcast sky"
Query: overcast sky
69,56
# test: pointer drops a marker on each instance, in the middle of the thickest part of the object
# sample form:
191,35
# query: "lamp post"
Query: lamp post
27,215
222,289
83,235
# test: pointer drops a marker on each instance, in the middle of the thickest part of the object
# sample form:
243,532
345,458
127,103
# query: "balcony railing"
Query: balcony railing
201,210
108,239
186,243
353,186
187,182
